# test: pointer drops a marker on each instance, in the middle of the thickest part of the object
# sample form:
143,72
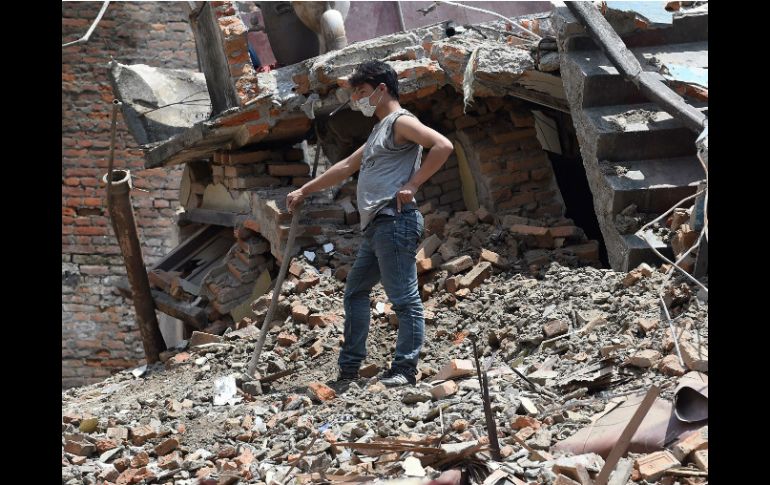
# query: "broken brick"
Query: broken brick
670,366
555,328
170,461
316,349
467,217
631,278
701,459
443,390
140,460
695,357
140,434
435,223
321,392
167,447
525,433
494,258
201,338
456,368
484,215
645,358
428,247
652,466
429,264
79,448
286,339
322,319
521,422
119,434
458,264
307,282
476,276
296,269
563,480
698,440
452,284
647,325
524,230
300,313
105,444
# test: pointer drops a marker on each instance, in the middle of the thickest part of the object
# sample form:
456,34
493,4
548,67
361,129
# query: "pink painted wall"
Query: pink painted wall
367,20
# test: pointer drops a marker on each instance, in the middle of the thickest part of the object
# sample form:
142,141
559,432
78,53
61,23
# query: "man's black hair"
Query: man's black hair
374,73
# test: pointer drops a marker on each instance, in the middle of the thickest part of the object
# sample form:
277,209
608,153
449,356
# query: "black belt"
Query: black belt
391,209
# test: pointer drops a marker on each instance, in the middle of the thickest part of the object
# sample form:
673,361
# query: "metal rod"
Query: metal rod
276,290
122,217
494,444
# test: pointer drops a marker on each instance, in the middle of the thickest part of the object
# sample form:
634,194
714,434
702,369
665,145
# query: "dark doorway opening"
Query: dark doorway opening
578,199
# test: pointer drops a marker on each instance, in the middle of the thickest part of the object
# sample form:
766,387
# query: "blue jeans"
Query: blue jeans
387,253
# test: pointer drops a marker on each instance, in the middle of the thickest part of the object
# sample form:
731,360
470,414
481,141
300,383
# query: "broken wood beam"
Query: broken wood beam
621,446
190,314
212,217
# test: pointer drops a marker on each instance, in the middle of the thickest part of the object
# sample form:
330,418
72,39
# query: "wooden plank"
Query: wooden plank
183,250
625,438
212,217
192,315
622,472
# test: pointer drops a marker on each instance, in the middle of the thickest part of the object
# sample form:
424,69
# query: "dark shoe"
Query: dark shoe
396,377
343,381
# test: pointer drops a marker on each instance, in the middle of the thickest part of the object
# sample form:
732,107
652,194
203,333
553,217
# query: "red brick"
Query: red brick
670,366
524,230
286,339
428,264
166,447
652,466
443,390
476,276
323,319
288,170
300,313
458,264
698,440
456,368
308,281
555,328
321,391
494,258
521,422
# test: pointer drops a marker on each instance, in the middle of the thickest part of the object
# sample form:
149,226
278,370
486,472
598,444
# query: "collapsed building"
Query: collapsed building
586,378
521,113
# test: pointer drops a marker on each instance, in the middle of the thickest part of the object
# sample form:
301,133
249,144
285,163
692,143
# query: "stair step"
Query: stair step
604,86
637,251
665,182
638,132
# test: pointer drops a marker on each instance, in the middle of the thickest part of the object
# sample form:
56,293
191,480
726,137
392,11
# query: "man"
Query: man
390,175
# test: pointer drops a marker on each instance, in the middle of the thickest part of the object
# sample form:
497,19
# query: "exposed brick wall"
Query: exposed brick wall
511,171
99,334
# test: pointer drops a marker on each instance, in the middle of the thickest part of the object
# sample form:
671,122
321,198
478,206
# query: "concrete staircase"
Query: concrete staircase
617,126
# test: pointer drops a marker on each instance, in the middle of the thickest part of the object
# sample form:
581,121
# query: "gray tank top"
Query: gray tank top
385,167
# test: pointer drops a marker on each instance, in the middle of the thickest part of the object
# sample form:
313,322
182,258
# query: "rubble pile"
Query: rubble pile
561,347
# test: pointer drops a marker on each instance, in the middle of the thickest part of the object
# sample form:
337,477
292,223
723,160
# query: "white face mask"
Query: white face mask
364,105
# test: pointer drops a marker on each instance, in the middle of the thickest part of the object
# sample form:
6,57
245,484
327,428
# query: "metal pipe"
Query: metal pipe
276,290
400,16
615,49
122,217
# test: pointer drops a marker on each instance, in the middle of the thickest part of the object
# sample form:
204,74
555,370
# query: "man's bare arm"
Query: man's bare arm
334,175
411,129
